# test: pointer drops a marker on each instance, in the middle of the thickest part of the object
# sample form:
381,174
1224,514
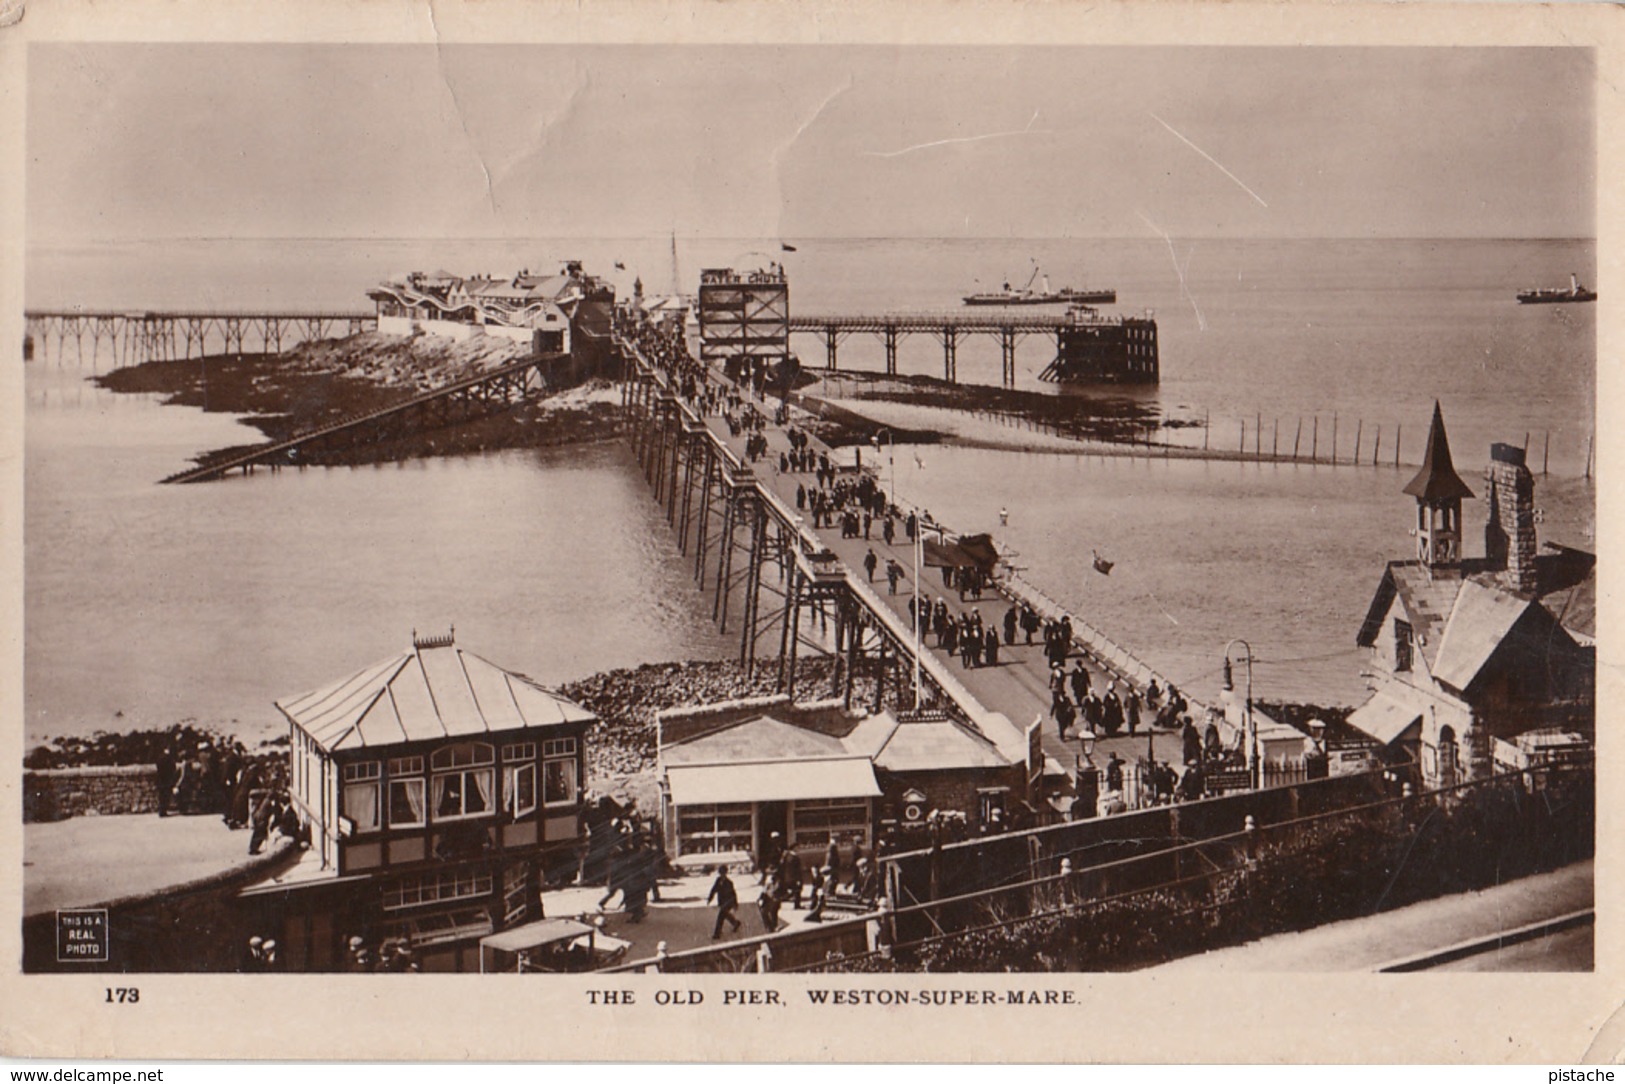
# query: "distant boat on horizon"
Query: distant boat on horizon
1026,295
1575,292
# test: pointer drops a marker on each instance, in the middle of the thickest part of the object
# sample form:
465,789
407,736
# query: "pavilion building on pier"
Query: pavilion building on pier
545,312
441,792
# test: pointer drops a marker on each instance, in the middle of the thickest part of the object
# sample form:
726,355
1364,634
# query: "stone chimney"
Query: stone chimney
1509,536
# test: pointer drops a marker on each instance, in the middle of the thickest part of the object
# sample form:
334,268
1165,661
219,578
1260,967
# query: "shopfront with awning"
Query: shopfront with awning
724,812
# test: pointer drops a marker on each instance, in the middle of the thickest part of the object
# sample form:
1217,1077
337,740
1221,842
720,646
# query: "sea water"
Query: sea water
146,604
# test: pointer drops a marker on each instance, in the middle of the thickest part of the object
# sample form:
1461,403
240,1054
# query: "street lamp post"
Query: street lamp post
891,482
1249,727
891,461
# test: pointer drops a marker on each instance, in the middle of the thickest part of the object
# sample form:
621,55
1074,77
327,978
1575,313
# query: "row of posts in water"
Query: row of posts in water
1306,446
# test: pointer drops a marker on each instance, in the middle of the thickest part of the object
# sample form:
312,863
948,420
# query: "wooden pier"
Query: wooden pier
772,574
1009,327
135,337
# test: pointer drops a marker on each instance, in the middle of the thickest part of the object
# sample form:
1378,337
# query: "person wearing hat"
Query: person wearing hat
866,886
790,874
767,862
1080,682
1111,710
768,902
823,889
1057,689
352,959
1131,709
727,901
273,962
253,958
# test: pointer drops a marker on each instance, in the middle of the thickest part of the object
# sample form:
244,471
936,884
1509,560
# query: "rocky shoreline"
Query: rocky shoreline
320,382
620,749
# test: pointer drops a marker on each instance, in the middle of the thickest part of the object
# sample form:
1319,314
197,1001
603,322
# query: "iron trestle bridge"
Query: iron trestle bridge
948,328
134,337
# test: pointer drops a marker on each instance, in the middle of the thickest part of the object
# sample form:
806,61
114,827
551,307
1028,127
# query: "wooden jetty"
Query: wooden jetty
459,401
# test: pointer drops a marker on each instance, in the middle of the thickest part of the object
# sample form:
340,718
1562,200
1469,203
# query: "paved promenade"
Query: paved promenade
89,860
1018,686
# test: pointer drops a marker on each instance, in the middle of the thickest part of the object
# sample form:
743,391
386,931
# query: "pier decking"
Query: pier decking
682,453
950,327
134,337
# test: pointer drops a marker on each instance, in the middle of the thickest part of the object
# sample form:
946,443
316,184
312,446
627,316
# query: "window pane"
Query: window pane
361,805
477,797
559,782
448,800
520,789
406,801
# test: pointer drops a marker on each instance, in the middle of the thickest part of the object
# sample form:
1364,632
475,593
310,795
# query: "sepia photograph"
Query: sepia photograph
835,512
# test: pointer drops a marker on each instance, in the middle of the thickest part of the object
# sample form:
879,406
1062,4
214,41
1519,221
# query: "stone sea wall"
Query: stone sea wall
57,794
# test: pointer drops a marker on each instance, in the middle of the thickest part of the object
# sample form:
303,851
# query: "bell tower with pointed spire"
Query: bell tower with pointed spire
1439,491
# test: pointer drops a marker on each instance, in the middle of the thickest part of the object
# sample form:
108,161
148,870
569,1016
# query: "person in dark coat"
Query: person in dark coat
1029,622
262,824
790,876
1065,716
727,901
167,772
767,863
866,885
1010,620
870,563
1131,710
990,648
247,780
1111,711
1094,713
768,904
231,772
1080,682
1114,773
1192,742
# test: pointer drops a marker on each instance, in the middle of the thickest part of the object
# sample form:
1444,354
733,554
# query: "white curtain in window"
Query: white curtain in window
510,790
482,780
440,796
406,801
361,805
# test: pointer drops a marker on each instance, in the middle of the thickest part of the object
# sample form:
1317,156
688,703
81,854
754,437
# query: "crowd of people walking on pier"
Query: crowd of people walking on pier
1103,705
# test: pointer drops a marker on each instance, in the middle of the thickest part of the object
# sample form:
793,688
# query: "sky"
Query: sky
145,141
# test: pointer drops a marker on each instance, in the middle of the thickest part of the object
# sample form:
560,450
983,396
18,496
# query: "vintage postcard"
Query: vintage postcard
729,532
